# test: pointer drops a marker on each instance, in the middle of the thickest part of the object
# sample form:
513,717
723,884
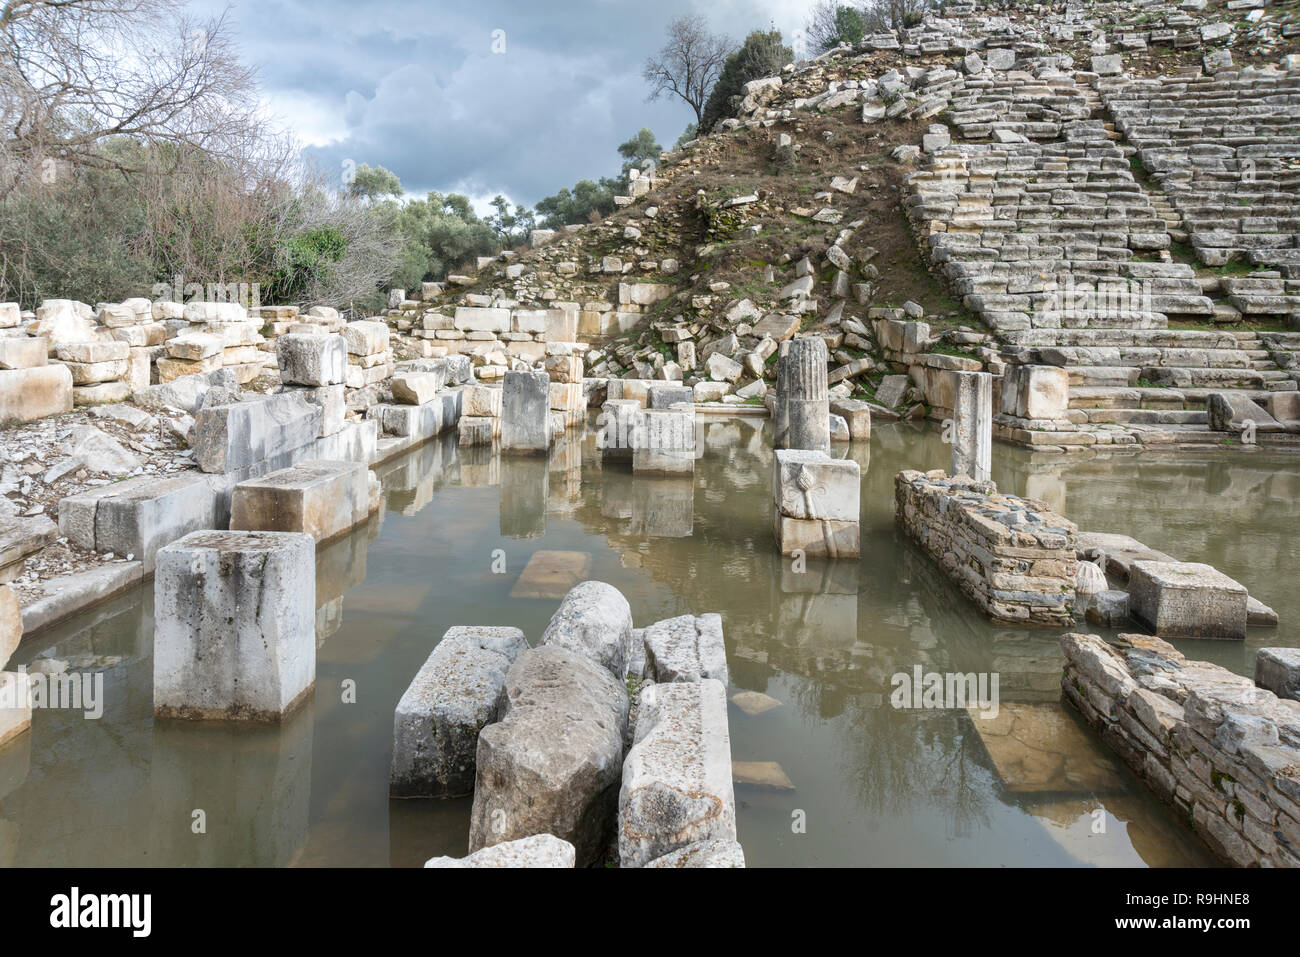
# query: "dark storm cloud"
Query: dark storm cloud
417,88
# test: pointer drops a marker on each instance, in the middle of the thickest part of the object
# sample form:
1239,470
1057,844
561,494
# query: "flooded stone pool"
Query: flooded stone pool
833,775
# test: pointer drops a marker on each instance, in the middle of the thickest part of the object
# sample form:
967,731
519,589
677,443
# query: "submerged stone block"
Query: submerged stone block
617,423
551,764
1187,600
677,788
451,699
234,625
1278,670
818,538
322,499
664,442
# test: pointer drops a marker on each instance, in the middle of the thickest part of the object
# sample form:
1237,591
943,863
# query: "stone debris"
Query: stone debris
538,851
455,694
551,764
676,788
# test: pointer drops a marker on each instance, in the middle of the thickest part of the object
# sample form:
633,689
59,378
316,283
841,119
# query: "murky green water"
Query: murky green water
871,784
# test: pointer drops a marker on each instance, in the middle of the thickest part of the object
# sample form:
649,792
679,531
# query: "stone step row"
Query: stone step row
1179,377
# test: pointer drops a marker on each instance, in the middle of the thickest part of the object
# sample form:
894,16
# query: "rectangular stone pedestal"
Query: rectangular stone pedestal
1187,600
234,625
525,413
816,504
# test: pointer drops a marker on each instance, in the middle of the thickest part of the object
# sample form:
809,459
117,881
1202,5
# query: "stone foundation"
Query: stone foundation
1013,557
1223,752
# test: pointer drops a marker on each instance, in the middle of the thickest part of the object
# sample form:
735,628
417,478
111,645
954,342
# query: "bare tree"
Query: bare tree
75,74
688,64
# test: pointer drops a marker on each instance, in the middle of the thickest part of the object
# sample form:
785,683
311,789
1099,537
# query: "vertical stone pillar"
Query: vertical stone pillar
618,421
803,418
234,625
972,430
526,413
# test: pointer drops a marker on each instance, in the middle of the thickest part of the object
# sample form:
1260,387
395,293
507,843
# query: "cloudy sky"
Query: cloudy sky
417,88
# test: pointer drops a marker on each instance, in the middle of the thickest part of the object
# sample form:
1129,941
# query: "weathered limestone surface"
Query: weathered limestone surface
664,442
452,698
816,504
1015,558
551,764
1223,752
676,788
594,620
241,434
538,851
718,853
1276,669
687,648
618,424
802,418
323,499
234,625
1187,600
15,705
139,516
972,432
11,624
30,394
525,413
313,360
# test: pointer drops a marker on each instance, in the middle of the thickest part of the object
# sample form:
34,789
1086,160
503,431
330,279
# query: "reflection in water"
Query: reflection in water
468,537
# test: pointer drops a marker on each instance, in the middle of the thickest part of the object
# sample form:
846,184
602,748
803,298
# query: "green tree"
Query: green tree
641,151
762,54
374,183
511,225
691,132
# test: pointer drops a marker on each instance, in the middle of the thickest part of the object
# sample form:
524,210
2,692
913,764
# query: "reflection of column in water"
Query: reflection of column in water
565,465
663,506
340,565
252,781
817,609
15,759
480,466
329,617
525,488
616,486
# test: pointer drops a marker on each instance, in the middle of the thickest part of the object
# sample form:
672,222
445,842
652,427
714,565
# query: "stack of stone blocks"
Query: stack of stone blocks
1015,558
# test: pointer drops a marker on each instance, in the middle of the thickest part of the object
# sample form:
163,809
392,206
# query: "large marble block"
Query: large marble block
1187,600
234,625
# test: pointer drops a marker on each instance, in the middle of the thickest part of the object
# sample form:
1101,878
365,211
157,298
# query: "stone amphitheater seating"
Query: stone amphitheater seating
1226,150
